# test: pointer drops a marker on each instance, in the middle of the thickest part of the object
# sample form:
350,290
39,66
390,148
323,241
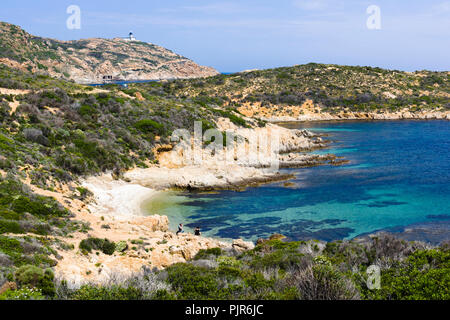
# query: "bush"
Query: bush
90,292
205,253
22,294
190,282
37,206
36,135
32,276
11,247
233,118
7,226
148,125
86,110
103,245
425,275
322,282
121,246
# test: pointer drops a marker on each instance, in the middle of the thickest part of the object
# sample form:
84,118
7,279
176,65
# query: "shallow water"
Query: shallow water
399,174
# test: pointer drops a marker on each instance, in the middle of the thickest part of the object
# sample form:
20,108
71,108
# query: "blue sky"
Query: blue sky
248,34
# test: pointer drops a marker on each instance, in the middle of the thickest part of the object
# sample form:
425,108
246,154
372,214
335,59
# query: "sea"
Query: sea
398,175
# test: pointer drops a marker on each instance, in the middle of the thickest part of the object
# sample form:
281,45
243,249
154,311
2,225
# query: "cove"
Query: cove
398,174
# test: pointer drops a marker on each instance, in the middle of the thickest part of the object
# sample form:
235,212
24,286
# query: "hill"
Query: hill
323,92
54,133
88,60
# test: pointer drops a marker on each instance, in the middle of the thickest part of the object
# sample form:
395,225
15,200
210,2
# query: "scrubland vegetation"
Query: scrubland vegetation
332,87
61,131
273,270
60,134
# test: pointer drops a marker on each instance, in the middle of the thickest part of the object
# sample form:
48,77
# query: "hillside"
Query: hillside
323,92
88,60
56,130
54,133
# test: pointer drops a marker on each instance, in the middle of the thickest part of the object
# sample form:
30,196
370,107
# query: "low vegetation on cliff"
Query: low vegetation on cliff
273,270
56,135
331,87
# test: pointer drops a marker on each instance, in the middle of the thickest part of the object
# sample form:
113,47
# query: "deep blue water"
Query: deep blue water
399,174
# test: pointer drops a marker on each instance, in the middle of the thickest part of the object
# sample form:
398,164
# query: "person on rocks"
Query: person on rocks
180,229
197,231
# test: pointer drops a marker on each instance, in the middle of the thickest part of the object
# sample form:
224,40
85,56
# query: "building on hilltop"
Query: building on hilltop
130,37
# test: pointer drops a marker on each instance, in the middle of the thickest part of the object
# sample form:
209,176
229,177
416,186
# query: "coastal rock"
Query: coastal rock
218,172
241,245
277,236
154,223
175,250
8,286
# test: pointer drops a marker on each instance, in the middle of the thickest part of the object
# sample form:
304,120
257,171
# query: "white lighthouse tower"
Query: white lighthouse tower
130,37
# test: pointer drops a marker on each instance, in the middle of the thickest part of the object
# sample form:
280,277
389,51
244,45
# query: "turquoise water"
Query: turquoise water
399,174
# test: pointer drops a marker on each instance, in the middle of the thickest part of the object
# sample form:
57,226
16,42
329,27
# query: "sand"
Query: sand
116,198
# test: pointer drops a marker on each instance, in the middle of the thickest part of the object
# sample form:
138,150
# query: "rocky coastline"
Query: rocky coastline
113,210
324,116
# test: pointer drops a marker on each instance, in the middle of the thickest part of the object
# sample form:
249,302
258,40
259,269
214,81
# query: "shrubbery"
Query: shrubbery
332,87
22,294
103,245
35,277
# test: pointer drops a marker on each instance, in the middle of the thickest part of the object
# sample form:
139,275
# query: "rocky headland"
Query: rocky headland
89,60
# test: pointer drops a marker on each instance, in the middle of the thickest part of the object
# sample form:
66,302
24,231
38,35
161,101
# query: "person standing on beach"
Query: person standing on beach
180,229
197,231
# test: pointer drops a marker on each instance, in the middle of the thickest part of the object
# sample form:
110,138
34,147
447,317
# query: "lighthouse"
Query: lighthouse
130,37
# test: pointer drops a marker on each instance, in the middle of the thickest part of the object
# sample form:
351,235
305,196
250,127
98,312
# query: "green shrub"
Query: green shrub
425,275
108,247
103,245
121,246
89,292
22,294
10,215
86,110
276,253
32,276
11,247
8,226
38,206
205,253
190,282
148,125
233,118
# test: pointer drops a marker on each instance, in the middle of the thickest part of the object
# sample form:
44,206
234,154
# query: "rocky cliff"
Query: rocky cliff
88,60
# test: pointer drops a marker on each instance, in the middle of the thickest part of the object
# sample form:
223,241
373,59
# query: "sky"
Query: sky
239,35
